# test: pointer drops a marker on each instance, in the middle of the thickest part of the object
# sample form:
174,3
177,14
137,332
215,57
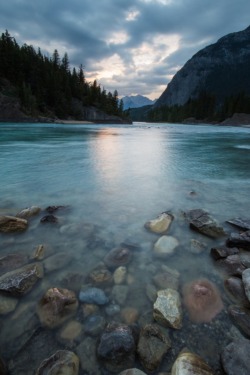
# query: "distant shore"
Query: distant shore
73,122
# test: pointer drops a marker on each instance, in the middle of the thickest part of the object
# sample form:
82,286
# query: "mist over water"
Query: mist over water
117,178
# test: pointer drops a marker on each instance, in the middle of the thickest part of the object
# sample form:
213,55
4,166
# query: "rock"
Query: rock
62,362
118,257
57,261
241,318
119,293
93,295
161,224
245,259
232,265
71,333
167,279
120,275
56,306
28,212
165,246
49,219
52,209
246,282
7,305
112,309
152,347
89,309
41,251
202,300
167,308
132,371
94,325
200,221
129,315
3,368
9,224
151,292
234,286
100,276
190,364
197,247
116,349
22,280
243,224
223,252
235,357
86,352
12,261
241,240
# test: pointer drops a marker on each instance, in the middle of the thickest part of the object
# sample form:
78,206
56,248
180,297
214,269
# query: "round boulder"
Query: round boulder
62,362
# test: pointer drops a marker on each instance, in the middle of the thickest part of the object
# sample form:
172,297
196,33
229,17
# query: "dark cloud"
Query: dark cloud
134,46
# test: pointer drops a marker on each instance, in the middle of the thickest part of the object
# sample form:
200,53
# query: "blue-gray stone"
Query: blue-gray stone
93,295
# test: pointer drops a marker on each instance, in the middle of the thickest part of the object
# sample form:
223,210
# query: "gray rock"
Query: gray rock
243,224
12,261
232,265
190,364
22,280
223,252
202,222
197,247
112,309
118,257
71,334
86,352
167,279
94,325
57,261
246,282
93,295
161,224
165,246
62,362
9,224
241,318
119,293
7,304
152,346
234,286
28,212
167,308
241,240
132,371
235,357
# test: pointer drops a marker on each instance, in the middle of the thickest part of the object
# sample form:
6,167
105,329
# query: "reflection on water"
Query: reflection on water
113,179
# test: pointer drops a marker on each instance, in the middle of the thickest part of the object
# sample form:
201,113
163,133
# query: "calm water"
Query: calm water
116,178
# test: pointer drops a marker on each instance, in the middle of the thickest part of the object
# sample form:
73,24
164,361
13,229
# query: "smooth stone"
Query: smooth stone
93,295
90,309
190,364
223,252
56,306
116,348
235,357
22,280
151,292
28,212
197,247
10,224
86,352
71,333
112,309
62,362
94,325
100,276
245,259
232,265
120,293
51,209
241,318
234,286
152,347
202,222
165,246
41,251
166,280
161,224
49,219
241,240
7,304
11,262
246,282
167,309
129,315
117,257
120,275
57,261
243,224
132,371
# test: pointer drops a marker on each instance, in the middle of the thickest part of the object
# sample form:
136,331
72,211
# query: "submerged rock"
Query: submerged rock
243,224
234,286
49,219
120,293
71,333
246,282
197,247
118,257
7,305
12,261
132,371
100,276
232,265
241,318
52,209
57,261
190,364
93,295
56,306
161,224
116,349
9,224
165,246
62,362
223,252
241,240
203,223
167,308
235,357
28,212
86,352
167,279
120,275
152,346
22,280
94,325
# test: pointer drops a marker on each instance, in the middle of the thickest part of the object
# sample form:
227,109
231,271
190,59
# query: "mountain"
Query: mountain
136,101
220,70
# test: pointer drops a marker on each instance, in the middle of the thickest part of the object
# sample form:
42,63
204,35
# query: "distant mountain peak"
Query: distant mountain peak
136,101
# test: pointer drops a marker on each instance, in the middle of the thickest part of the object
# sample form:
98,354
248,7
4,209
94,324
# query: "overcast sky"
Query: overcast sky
134,46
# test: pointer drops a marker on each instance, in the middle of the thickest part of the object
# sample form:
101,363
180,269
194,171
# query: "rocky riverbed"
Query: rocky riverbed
121,307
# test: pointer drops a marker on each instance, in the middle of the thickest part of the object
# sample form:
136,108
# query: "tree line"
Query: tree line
47,85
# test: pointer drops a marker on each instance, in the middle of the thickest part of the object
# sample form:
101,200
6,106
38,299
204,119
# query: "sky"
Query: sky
132,46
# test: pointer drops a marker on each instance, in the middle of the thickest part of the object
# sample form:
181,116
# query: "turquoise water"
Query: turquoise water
116,178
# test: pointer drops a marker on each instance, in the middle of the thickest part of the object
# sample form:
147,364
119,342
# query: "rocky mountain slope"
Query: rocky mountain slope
136,101
221,69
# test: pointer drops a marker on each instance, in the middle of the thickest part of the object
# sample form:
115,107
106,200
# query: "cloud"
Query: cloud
134,46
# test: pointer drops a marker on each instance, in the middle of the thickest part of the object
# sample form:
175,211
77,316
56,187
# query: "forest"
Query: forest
47,85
